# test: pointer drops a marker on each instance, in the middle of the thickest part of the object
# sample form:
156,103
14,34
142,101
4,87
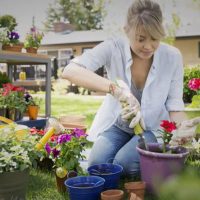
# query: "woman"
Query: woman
152,71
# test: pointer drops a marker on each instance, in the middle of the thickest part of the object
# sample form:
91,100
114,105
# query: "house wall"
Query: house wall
189,48
77,48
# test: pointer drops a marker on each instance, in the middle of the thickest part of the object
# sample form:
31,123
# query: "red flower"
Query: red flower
168,126
8,87
34,131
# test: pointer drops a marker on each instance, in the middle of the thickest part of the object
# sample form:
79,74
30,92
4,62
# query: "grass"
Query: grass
42,186
73,104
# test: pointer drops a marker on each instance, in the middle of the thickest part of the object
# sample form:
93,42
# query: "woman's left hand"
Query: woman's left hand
185,132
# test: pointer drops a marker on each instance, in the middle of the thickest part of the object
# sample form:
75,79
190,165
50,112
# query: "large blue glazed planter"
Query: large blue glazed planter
85,187
110,172
156,167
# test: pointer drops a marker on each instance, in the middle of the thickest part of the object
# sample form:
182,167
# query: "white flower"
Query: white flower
196,145
3,35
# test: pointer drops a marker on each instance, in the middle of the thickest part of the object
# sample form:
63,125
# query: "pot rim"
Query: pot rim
116,193
162,155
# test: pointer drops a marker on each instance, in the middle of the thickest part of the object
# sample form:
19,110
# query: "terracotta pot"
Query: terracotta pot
112,194
31,50
33,112
136,187
72,119
60,181
15,48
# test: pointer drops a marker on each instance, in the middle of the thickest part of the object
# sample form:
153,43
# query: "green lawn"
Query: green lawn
75,105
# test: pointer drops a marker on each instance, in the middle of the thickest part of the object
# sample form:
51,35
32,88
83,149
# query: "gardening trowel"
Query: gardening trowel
52,126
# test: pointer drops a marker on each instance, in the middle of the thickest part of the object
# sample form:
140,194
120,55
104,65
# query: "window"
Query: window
64,57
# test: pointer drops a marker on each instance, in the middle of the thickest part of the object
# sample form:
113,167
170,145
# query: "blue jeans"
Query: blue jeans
117,146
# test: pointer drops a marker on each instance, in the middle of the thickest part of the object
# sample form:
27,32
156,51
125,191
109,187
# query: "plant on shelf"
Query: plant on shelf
33,40
12,98
12,43
17,156
33,105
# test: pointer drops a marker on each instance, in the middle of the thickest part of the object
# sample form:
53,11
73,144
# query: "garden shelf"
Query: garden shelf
15,58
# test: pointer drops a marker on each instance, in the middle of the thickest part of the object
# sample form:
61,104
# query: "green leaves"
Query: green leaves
84,14
15,154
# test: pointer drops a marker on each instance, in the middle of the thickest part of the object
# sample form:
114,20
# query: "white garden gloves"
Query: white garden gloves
130,105
185,132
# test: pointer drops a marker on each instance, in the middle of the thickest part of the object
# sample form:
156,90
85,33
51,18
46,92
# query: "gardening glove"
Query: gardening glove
133,196
185,132
130,105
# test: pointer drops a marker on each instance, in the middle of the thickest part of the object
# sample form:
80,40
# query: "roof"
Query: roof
75,37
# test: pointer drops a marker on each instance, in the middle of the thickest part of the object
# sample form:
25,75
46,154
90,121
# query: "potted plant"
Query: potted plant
65,152
12,98
17,154
160,161
33,40
12,43
33,105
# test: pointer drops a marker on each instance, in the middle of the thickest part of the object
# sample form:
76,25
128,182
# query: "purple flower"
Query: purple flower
33,29
79,133
55,152
48,148
13,35
64,138
27,97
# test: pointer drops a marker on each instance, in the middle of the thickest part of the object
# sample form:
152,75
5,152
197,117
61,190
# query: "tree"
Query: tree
83,14
8,21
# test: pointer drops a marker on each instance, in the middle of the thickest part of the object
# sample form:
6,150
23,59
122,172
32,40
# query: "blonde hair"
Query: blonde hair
145,14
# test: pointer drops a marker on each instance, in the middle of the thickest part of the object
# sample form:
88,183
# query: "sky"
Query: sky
24,10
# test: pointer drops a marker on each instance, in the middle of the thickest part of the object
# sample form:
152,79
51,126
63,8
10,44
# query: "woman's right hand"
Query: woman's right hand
130,105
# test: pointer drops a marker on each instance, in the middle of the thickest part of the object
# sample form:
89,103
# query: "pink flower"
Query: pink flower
79,133
194,84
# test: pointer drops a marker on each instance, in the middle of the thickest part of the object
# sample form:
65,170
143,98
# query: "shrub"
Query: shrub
189,73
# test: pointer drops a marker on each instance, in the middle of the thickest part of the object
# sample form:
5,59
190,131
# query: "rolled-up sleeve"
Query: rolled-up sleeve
97,57
175,97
